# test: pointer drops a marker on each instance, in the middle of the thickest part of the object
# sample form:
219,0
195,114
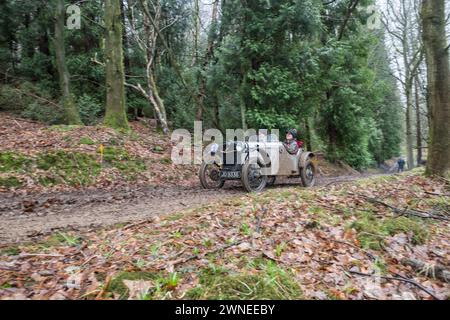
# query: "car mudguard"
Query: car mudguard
304,157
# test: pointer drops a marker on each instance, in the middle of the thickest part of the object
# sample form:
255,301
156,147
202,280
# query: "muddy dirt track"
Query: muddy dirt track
25,218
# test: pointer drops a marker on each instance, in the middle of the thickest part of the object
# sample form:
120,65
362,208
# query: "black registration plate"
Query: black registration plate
230,174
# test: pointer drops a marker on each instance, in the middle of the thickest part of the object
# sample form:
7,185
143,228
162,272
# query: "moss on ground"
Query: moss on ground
73,168
165,161
158,149
440,204
10,251
10,182
13,162
59,239
161,284
119,158
67,167
64,128
87,141
373,230
267,281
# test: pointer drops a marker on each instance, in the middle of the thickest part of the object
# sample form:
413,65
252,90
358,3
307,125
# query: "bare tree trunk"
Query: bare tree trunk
115,77
438,74
158,103
209,54
151,37
418,123
409,130
242,103
125,36
216,112
196,32
195,54
71,112
308,135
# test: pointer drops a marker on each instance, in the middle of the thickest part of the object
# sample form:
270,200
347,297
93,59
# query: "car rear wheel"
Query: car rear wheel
308,174
210,176
252,177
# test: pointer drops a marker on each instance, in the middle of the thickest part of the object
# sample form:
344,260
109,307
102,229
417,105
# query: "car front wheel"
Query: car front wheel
252,177
210,176
308,174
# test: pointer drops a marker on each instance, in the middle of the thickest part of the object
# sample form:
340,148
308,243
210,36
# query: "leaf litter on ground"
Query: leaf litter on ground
323,239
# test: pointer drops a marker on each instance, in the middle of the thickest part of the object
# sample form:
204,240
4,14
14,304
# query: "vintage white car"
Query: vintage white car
256,164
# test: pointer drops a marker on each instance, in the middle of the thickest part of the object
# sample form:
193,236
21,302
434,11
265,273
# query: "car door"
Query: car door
288,162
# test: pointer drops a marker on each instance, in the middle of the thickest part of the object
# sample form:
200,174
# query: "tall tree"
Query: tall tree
209,55
115,77
418,122
71,112
438,74
402,24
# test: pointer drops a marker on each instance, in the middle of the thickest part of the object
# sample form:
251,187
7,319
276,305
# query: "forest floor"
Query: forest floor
54,178
384,237
119,234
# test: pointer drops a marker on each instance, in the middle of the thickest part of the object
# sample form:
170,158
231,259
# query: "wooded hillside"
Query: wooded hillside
311,65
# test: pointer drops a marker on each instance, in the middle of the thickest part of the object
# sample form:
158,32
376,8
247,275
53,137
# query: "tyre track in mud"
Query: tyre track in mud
29,217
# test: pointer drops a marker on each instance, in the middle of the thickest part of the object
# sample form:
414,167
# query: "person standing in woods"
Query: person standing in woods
401,165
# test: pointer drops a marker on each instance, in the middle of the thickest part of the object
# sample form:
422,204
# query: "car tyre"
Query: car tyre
210,176
308,174
251,179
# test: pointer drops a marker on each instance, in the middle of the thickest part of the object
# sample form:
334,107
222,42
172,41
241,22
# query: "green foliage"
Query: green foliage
43,113
90,109
280,248
12,100
246,229
385,139
268,282
345,115
31,101
171,281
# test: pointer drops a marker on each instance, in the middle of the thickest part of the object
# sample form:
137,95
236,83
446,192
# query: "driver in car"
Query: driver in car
290,143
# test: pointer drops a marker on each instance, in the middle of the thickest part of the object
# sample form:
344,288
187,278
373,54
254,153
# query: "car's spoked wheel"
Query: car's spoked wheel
210,176
252,177
308,174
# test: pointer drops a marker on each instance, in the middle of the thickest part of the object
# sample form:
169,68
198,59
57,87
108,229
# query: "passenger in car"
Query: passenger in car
290,143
